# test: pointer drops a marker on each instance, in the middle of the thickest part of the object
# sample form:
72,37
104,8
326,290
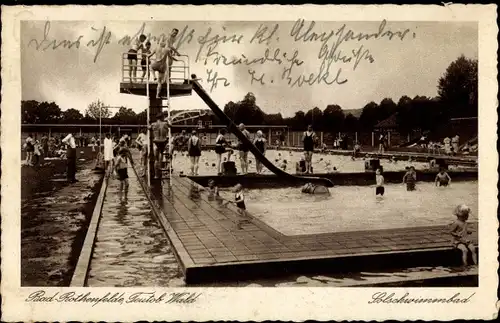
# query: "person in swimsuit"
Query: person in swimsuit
213,190
308,140
442,178
260,143
300,166
310,188
160,136
239,201
447,145
142,146
356,150
460,232
379,178
194,152
243,148
146,51
132,57
220,148
30,149
159,67
381,143
164,57
45,146
455,144
410,178
282,139
121,169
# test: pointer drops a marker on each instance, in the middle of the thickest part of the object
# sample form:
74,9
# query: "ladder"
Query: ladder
169,118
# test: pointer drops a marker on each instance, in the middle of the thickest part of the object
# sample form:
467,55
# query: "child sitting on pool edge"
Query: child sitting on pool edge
460,234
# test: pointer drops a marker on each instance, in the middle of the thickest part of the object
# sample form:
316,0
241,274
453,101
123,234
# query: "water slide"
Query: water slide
469,142
234,129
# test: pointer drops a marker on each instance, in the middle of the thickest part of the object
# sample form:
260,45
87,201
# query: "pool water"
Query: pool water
355,208
320,161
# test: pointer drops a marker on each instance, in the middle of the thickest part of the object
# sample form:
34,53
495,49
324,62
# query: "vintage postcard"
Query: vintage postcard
249,163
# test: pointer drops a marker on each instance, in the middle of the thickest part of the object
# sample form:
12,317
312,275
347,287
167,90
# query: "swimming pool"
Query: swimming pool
342,163
355,208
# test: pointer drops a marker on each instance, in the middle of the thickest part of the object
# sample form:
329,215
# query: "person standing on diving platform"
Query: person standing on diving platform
160,138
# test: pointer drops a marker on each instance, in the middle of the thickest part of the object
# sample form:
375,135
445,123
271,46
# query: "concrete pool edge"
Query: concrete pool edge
338,179
243,271
80,274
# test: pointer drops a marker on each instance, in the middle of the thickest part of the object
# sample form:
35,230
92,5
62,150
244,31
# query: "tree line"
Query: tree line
457,97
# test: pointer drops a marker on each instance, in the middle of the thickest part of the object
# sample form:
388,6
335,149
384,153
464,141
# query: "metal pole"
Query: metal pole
100,132
169,120
148,146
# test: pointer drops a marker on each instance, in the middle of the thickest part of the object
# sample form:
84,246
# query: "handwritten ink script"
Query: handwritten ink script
394,298
94,299
296,54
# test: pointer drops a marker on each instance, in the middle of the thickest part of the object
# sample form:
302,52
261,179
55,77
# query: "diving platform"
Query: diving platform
176,89
134,78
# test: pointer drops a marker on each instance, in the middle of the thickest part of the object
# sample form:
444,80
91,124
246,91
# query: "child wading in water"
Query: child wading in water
121,169
460,234
379,189
239,201
442,178
213,190
410,178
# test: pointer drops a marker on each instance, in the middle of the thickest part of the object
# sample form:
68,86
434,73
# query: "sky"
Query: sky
388,67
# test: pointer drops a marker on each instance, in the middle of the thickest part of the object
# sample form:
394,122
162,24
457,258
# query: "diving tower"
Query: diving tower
178,85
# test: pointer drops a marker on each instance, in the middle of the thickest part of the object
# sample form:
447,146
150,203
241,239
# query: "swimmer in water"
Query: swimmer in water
310,188
442,178
283,165
379,178
212,189
301,166
410,178
239,201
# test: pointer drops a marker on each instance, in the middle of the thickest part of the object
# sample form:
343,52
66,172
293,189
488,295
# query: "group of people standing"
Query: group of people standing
222,145
161,66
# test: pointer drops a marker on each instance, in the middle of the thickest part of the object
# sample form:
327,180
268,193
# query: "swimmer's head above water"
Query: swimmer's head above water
462,212
310,188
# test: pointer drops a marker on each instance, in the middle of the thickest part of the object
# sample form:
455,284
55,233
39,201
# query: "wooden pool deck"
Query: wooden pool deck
210,248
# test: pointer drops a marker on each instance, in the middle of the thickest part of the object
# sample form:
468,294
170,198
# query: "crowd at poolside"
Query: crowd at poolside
116,153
